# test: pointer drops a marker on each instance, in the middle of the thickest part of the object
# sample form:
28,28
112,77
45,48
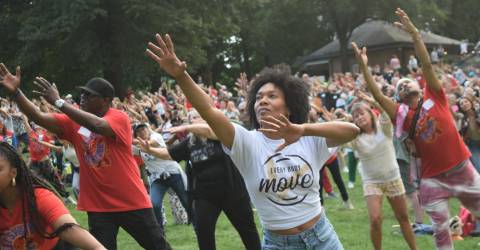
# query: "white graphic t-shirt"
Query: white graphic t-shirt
283,186
155,165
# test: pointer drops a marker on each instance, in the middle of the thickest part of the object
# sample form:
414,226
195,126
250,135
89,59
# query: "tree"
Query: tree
344,16
71,41
462,20
293,28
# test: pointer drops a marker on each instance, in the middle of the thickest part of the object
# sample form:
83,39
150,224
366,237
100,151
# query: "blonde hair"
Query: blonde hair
191,114
361,105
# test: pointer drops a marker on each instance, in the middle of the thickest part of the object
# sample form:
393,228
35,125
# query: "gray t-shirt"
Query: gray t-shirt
155,165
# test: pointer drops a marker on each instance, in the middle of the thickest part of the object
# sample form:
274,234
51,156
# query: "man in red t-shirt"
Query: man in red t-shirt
446,170
112,194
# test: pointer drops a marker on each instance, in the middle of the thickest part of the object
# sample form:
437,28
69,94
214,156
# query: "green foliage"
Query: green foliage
71,41
462,21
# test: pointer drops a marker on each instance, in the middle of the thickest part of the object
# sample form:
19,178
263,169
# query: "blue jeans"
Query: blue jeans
158,189
320,236
474,147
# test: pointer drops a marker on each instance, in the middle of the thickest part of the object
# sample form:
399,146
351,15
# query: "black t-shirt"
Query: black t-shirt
329,100
388,76
211,172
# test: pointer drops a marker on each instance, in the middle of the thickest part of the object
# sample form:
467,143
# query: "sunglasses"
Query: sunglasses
87,94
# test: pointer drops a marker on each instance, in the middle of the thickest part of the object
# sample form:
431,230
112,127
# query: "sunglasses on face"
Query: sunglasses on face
403,87
87,94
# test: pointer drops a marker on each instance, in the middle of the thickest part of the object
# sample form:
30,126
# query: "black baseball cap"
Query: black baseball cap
99,86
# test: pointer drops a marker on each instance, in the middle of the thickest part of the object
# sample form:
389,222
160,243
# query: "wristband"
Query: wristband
59,103
16,93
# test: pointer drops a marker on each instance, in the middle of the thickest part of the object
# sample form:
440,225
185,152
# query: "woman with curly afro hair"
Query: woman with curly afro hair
280,159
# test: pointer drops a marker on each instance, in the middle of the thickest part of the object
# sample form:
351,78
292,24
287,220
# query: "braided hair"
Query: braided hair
27,182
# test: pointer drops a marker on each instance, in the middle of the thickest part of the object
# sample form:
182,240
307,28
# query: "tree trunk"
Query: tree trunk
343,52
246,55
112,57
208,77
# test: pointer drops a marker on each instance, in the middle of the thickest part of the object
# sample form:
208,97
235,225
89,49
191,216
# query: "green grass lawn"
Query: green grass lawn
351,226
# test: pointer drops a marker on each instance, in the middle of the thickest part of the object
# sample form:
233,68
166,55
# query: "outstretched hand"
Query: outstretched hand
365,97
164,54
328,115
242,83
177,129
360,54
46,90
143,145
281,127
9,81
405,22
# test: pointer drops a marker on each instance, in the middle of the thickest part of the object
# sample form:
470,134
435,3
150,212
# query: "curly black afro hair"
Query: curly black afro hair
294,89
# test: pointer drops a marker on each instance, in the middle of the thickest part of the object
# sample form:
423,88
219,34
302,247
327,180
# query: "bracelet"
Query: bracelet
16,93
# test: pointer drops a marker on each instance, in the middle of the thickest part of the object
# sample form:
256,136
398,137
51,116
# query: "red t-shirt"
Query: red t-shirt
139,160
38,151
49,207
436,138
421,80
109,176
188,105
331,159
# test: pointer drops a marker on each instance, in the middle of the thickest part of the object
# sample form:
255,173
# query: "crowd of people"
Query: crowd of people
411,128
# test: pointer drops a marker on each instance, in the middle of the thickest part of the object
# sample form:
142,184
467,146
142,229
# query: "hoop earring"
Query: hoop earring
14,183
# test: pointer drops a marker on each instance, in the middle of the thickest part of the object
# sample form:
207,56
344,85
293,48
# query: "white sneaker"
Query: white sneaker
348,205
70,200
331,195
351,185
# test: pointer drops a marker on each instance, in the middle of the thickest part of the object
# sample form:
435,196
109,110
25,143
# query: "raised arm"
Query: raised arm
50,145
164,54
335,132
387,104
138,116
202,130
242,85
88,120
362,96
12,84
420,49
161,153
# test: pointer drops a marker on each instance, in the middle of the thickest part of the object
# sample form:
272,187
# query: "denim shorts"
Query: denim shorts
320,236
